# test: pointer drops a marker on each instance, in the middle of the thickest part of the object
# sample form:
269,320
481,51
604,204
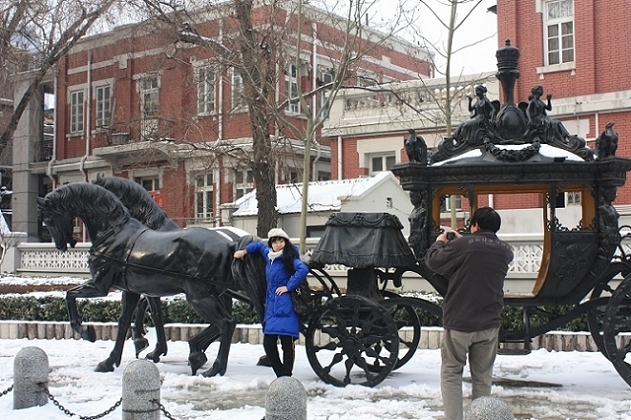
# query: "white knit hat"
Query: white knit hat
277,233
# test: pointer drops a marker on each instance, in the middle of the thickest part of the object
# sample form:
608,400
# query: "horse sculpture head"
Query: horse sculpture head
60,224
138,201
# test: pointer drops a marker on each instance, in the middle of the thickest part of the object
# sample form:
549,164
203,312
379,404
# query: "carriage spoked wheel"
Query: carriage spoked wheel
327,290
603,291
329,287
408,325
617,329
348,336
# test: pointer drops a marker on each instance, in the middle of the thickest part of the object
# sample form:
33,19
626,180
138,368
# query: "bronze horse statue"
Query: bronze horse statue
128,256
144,208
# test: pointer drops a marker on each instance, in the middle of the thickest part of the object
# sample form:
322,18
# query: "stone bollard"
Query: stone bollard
30,378
141,391
286,399
488,408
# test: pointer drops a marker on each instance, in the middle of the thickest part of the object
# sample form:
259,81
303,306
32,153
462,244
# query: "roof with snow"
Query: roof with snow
323,195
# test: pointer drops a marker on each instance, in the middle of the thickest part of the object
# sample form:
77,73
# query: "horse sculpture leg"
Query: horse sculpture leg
214,309
128,303
86,290
138,329
198,345
158,322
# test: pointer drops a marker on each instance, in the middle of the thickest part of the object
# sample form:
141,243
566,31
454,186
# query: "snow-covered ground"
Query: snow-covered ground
581,385
586,385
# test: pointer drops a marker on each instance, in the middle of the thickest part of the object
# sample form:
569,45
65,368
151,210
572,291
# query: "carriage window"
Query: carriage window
559,200
445,203
570,198
574,198
204,197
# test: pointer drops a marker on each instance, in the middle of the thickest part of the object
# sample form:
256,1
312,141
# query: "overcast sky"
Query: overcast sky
479,30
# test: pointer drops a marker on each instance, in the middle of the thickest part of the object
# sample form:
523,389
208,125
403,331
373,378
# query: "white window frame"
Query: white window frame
149,183
445,203
148,86
237,99
206,82
325,74
243,182
294,176
564,15
388,160
292,76
103,97
573,198
204,197
77,107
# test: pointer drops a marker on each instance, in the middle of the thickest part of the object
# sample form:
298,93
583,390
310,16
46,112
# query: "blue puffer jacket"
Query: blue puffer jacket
280,318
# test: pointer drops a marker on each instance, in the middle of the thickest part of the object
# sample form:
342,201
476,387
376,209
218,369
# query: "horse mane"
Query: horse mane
73,197
247,274
138,201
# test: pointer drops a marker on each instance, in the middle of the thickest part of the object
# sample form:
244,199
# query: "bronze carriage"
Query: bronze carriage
512,149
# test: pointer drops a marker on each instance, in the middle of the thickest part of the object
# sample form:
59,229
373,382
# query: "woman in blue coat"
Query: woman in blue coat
284,273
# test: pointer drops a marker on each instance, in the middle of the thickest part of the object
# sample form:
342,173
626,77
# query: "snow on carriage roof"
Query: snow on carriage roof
545,150
323,195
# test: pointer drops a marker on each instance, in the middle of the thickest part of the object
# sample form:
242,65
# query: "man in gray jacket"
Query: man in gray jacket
475,266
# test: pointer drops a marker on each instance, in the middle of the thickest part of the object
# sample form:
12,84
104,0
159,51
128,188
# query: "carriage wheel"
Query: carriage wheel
603,291
320,296
408,326
617,320
329,287
349,335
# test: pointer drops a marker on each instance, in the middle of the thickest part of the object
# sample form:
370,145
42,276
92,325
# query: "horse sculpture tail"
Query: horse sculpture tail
249,274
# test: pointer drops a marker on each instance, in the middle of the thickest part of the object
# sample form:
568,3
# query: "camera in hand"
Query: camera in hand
451,236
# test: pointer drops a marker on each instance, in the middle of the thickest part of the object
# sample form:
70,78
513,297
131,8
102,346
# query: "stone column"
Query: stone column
141,391
488,408
30,378
286,399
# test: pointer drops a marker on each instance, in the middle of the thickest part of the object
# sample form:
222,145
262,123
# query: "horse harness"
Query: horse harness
100,251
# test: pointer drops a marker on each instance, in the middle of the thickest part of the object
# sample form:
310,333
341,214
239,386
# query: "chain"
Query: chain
6,391
164,410
70,413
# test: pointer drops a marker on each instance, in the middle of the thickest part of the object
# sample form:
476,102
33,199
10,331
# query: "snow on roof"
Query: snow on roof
323,195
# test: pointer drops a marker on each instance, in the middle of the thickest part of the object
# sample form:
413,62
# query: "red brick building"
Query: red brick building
578,51
136,103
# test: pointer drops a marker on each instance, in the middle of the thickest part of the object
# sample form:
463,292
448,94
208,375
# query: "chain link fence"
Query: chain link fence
70,413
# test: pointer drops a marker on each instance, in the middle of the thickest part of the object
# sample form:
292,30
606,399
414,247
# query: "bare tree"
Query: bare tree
258,39
251,49
452,97
359,38
37,34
